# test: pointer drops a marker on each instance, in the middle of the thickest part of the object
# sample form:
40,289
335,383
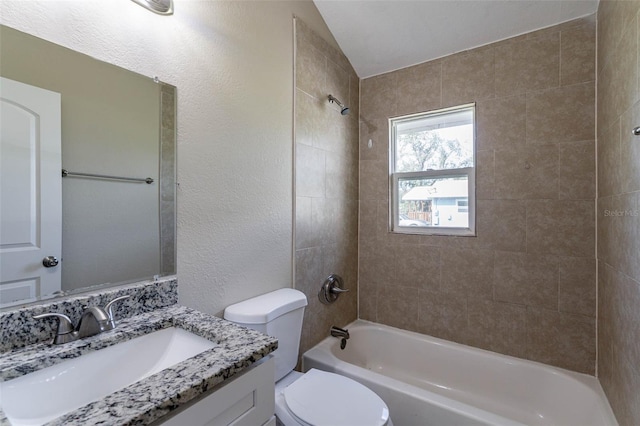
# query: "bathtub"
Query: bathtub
428,381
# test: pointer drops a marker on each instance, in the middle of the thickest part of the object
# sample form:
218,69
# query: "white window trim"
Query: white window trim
394,177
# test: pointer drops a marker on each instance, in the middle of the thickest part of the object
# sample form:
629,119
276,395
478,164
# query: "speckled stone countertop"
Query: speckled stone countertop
152,398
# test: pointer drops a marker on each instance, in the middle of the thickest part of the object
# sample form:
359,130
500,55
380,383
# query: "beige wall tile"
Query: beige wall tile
419,88
526,279
340,180
368,216
306,235
378,267
626,317
367,308
442,315
501,123
417,266
467,272
563,340
628,232
519,209
376,131
614,17
374,180
354,95
307,120
564,114
565,228
577,285
398,306
578,59
608,152
532,63
326,184
310,69
629,172
310,171
619,82
606,103
502,224
527,173
626,380
499,327
378,97
485,178
577,175
468,77
605,334
337,83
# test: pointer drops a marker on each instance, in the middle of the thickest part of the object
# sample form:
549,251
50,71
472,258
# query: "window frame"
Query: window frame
395,177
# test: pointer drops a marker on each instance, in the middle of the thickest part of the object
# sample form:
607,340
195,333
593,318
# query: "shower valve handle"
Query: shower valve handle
331,289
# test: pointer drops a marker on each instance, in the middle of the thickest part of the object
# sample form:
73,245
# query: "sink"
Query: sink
46,394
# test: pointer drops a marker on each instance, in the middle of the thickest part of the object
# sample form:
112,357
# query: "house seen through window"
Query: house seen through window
432,171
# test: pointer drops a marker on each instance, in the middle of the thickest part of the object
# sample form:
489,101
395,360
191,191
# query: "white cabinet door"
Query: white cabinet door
247,399
30,191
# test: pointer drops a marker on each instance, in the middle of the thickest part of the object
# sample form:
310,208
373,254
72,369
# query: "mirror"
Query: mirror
115,124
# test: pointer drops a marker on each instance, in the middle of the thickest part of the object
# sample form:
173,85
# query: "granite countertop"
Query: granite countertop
149,399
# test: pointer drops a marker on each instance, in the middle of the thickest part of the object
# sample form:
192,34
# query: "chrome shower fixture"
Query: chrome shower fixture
344,110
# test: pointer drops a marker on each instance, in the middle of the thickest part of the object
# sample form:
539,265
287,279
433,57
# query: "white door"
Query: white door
30,192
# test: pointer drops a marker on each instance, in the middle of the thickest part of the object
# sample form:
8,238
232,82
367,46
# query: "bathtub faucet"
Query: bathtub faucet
342,334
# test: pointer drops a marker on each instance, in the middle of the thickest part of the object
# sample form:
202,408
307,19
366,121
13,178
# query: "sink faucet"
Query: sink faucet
94,320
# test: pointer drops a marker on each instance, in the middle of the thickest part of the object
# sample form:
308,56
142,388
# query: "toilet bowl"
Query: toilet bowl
315,398
322,398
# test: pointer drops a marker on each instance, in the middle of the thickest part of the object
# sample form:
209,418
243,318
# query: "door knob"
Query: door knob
50,261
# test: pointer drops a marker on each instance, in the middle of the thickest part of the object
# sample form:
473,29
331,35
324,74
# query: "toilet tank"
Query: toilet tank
278,314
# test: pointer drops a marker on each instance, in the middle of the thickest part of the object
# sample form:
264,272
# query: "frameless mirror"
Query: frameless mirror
111,218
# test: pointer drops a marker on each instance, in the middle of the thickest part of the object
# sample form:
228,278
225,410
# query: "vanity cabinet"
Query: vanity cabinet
248,399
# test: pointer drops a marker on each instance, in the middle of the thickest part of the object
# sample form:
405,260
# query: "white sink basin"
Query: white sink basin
49,393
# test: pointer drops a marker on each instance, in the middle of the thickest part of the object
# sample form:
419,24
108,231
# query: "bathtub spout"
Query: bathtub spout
342,334
339,332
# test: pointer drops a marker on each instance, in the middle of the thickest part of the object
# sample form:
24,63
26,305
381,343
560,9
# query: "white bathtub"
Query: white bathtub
428,381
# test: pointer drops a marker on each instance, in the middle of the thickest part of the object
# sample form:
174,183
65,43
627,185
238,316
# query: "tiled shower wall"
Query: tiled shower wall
525,286
619,207
326,182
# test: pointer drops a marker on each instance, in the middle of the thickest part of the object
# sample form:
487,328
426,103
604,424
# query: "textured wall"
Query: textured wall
619,207
232,63
326,182
525,286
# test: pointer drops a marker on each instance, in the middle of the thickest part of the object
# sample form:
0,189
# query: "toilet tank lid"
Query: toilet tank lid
265,308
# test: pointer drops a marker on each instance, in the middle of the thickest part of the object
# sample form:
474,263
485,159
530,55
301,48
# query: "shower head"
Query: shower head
344,110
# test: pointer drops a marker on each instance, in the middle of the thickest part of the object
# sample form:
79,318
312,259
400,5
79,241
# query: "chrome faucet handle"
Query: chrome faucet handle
331,289
65,332
108,308
94,320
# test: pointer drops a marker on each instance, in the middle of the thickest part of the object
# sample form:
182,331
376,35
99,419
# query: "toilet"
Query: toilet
316,398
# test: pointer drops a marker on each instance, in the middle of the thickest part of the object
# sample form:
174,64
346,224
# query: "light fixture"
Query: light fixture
161,7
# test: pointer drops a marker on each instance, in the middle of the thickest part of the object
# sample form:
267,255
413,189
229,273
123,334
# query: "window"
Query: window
432,168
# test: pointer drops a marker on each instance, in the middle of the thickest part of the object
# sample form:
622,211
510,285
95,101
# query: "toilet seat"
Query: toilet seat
322,398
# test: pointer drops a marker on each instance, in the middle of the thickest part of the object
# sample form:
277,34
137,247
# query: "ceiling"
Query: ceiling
385,35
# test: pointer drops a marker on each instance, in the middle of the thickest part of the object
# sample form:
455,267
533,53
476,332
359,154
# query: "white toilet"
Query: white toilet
316,398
